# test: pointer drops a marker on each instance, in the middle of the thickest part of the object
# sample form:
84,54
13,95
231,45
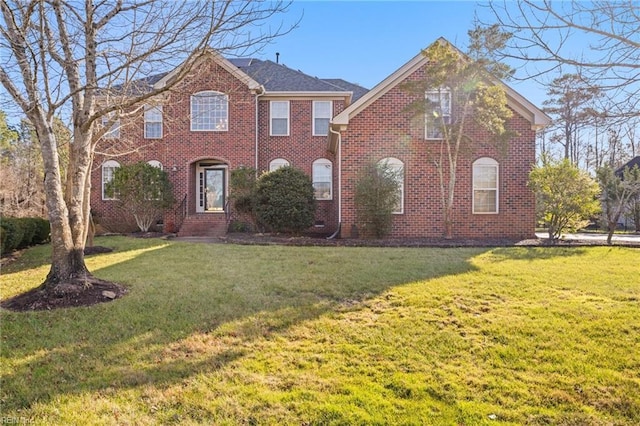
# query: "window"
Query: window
396,167
279,118
438,112
114,131
321,117
108,170
322,177
153,122
277,163
209,112
485,186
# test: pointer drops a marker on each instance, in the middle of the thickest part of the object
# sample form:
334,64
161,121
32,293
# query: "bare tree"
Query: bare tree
85,60
598,39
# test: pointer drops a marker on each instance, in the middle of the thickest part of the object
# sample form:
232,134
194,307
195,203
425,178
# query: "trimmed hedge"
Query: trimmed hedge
17,233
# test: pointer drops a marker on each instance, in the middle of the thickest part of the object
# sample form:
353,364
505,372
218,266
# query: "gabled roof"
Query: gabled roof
516,101
277,78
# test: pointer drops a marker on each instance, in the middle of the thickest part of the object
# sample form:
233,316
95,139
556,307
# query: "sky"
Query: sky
365,41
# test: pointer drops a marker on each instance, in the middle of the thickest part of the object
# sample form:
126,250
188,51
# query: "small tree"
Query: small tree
143,191
615,194
566,195
285,201
242,193
376,198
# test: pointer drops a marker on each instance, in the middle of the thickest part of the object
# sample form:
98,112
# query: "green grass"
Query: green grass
225,334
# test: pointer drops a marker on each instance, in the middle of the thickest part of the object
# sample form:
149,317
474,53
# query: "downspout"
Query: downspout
258,94
339,161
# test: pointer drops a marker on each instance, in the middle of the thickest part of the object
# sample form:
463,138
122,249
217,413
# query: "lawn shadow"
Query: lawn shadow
536,253
195,308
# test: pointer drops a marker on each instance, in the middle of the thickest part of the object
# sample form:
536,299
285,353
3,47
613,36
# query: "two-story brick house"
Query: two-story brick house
249,112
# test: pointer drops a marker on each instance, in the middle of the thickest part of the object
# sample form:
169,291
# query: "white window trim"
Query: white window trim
485,161
277,163
323,162
111,164
114,131
398,166
446,116
226,117
271,117
313,117
149,108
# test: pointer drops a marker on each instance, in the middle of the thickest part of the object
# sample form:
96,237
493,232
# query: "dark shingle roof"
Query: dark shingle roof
633,162
358,91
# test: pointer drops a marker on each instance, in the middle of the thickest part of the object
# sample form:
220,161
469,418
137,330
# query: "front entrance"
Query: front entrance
211,188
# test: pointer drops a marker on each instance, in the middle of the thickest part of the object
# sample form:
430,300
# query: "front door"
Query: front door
214,190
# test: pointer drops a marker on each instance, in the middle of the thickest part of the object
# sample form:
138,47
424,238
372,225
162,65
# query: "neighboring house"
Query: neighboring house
631,216
249,112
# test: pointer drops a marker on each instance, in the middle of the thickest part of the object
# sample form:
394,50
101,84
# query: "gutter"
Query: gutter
258,95
339,161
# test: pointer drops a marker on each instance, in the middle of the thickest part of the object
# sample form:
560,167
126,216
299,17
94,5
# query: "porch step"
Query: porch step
204,225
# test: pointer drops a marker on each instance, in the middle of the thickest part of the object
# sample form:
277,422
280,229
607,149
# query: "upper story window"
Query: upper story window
209,112
321,117
153,122
322,177
485,186
438,112
278,163
108,170
396,168
114,130
279,117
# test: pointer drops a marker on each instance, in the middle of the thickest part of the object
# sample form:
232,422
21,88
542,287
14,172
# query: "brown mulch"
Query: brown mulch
80,292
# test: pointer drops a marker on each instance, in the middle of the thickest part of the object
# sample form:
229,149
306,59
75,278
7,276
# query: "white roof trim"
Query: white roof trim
516,101
224,63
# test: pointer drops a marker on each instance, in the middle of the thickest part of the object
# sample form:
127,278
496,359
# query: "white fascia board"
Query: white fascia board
307,95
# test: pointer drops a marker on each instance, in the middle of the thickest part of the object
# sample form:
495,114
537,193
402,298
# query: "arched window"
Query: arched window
396,167
322,177
485,186
155,163
108,169
277,163
209,112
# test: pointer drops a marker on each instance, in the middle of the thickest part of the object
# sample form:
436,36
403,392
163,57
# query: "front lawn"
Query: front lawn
229,334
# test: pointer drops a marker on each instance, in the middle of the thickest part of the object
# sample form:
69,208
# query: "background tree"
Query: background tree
285,200
615,194
545,34
570,104
633,208
142,190
376,198
461,91
566,196
83,59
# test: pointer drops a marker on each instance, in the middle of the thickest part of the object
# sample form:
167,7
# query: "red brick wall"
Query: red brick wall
182,148
386,129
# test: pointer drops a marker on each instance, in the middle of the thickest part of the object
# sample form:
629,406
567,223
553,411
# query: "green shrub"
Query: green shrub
43,231
285,201
242,193
29,228
12,234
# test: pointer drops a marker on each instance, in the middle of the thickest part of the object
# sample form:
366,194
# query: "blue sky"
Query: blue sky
365,41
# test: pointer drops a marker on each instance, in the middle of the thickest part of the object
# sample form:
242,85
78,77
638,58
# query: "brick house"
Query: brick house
247,112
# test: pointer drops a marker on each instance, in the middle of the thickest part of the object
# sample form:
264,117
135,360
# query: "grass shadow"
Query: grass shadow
194,308
536,253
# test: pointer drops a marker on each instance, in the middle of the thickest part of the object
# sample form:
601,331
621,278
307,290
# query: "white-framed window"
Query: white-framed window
114,130
279,117
108,170
437,113
278,163
485,186
322,177
153,122
321,117
396,168
155,163
209,112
